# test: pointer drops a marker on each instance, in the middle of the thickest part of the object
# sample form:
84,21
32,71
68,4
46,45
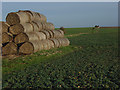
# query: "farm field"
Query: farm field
91,60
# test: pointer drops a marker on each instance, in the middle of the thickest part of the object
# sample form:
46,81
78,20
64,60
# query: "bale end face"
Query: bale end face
20,38
6,37
16,29
4,26
12,18
26,48
10,48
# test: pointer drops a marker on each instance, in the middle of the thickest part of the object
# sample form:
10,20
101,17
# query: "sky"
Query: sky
69,14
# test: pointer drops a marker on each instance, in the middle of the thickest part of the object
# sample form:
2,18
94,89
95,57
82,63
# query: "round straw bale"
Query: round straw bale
23,37
35,26
32,14
56,33
43,18
5,27
62,33
41,35
40,45
16,29
26,48
55,41
39,24
35,16
51,44
47,26
51,33
17,17
45,45
44,24
20,38
67,41
48,44
28,27
60,42
32,46
38,17
36,45
50,26
59,33
46,33
10,48
32,36
24,17
7,37
64,41
19,28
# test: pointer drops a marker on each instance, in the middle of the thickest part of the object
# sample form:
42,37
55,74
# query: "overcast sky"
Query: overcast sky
70,14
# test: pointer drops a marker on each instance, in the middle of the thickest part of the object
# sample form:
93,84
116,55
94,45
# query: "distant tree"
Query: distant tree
97,26
62,28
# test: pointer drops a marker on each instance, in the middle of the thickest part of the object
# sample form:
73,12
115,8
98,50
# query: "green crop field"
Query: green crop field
91,60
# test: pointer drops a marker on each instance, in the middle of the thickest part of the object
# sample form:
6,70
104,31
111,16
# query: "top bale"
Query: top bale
35,16
23,16
17,17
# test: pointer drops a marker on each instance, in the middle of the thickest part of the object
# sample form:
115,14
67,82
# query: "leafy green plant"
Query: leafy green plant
91,61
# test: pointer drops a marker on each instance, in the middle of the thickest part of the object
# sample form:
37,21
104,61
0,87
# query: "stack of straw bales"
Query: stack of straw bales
26,32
